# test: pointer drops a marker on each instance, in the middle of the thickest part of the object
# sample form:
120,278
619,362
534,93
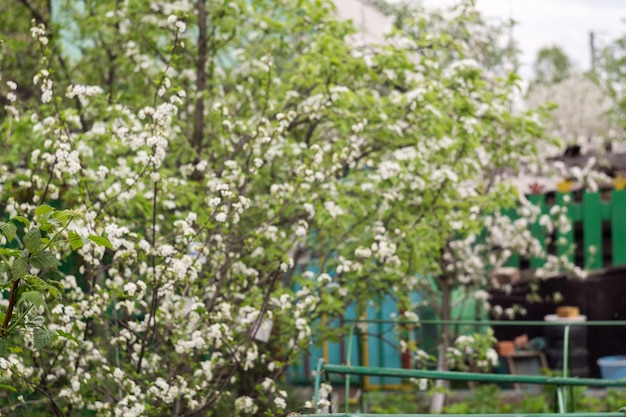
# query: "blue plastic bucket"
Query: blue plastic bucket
613,367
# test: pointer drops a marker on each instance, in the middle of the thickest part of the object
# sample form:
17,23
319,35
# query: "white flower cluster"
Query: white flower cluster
245,406
164,391
174,22
11,98
45,82
38,32
473,351
67,160
470,259
82,92
323,404
421,383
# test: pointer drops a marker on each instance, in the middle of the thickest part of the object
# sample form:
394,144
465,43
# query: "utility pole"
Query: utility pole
592,48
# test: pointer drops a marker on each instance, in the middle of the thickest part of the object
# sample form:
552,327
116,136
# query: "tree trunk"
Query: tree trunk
439,398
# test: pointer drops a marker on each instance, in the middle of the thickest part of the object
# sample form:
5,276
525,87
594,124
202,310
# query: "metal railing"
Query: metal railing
615,414
560,382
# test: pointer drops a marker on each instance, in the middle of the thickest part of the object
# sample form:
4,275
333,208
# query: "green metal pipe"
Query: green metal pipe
318,381
614,414
561,389
349,356
381,356
565,350
560,395
540,323
469,376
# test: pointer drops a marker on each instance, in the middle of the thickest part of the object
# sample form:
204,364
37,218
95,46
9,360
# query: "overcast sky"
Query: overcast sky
566,23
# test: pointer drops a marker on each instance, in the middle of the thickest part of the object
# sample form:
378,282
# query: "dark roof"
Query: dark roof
610,163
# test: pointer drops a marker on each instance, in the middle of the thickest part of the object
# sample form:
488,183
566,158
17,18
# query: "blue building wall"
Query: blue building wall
378,345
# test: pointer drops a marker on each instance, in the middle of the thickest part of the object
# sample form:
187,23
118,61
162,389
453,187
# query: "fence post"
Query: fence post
618,226
592,230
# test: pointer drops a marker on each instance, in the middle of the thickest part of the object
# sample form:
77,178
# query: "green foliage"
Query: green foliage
474,352
7,387
32,241
493,47
259,167
396,403
610,73
29,271
9,230
41,337
615,399
485,400
74,240
551,65
33,297
101,240
491,399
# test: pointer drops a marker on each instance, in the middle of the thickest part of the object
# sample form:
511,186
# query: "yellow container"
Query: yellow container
567,311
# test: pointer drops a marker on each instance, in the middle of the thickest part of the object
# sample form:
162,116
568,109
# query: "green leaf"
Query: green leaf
33,297
41,211
76,242
7,387
63,216
52,287
101,240
8,251
44,260
49,224
8,230
7,345
55,287
15,349
42,337
69,336
54,293
22,220
32,240
19,267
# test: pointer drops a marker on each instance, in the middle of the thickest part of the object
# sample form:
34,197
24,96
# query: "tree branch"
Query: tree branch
36,15
9,314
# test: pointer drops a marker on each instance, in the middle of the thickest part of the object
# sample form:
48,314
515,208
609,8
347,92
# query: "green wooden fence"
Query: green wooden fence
589,213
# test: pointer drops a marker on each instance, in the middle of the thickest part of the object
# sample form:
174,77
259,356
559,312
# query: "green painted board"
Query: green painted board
592,230
606,209
576,211
618,227
566,249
